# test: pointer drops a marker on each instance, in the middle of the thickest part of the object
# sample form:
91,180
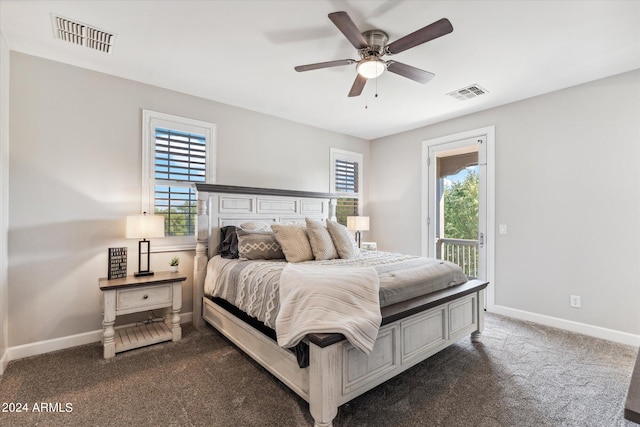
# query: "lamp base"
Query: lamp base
143,273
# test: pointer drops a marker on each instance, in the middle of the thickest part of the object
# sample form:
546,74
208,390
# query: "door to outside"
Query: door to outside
456,218
455,202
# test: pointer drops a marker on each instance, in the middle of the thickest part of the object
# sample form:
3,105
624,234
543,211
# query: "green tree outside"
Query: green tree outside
461,208
346,207
181,220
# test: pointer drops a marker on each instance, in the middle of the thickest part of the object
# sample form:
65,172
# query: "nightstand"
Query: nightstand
135,294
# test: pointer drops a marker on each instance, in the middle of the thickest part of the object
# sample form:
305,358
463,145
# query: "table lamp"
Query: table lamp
144,227
358,224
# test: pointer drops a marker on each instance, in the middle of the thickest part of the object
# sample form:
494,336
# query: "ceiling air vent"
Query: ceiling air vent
467,92
83,34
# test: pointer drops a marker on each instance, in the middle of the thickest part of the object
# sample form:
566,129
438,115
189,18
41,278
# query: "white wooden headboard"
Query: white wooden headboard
222,205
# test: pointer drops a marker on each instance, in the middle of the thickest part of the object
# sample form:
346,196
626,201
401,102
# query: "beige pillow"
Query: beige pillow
343,240
320,240
294,242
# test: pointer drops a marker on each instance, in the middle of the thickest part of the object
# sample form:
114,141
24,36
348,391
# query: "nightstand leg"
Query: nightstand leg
107,324
177,305
175,327
109,341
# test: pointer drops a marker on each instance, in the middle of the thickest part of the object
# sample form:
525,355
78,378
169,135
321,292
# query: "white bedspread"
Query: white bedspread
317,299
253,286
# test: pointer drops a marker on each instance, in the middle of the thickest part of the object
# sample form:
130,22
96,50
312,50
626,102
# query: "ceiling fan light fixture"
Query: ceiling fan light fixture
370,68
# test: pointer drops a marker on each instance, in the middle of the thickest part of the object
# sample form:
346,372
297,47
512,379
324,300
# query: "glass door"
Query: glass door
456,219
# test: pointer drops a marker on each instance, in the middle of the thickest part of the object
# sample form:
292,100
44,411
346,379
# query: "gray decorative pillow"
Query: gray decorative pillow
258,245
320,240
343,240
294,241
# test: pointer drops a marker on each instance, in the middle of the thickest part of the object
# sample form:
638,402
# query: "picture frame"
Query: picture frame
117,268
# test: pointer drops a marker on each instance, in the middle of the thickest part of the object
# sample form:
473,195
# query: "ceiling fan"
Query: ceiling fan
372,46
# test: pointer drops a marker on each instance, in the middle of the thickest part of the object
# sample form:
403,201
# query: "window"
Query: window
177,153
346,179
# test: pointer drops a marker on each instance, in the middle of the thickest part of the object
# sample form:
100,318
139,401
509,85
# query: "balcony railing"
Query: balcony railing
460,251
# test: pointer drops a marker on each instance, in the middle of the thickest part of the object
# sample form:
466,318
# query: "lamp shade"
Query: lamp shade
144,226
358,223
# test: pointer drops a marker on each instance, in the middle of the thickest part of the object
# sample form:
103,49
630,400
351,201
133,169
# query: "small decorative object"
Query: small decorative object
369,246
173,264
117,263
358,224
142,227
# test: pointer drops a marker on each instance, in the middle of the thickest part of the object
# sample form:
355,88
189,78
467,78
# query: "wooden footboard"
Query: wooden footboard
338,372
280,362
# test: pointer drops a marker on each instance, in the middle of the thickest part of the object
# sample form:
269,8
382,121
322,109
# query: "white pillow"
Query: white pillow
256,226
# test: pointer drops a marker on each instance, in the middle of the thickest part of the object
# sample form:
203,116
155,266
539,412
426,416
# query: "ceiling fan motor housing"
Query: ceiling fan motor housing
377,41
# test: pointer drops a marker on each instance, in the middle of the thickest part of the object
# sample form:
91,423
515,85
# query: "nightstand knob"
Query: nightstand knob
145,297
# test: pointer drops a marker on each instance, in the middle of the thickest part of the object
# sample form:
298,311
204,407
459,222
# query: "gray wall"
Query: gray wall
4,191
75,173
567,186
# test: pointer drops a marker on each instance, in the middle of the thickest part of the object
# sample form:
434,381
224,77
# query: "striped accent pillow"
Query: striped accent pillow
294,242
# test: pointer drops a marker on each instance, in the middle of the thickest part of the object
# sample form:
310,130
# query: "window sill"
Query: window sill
173,248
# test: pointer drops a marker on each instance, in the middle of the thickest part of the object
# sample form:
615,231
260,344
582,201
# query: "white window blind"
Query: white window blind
177,153
180,160
346,180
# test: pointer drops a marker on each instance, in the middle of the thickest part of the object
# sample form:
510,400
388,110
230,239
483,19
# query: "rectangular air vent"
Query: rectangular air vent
467,92
83,34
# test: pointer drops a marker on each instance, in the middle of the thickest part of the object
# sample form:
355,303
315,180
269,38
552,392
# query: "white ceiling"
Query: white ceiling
243,52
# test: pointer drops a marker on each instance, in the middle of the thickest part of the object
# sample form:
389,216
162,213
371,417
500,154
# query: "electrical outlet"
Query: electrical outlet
575,301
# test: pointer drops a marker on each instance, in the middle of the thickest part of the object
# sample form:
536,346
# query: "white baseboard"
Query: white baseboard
568,325
4,361
41,347
186,317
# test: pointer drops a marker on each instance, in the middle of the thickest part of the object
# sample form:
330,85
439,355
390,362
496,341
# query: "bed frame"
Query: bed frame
411,331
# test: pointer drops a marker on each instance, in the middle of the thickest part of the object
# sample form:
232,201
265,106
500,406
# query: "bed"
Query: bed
339,367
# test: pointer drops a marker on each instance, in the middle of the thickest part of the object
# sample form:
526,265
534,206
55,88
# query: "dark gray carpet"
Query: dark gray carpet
522,374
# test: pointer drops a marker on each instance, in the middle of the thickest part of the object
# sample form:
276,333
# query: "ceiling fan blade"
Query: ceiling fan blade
327,64
349,29
423,35
413,73
358,85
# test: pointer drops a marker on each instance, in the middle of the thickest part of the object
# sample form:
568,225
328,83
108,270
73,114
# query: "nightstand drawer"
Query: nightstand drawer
142,297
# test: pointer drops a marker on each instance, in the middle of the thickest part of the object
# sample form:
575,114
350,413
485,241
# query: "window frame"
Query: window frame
150,121
348,156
